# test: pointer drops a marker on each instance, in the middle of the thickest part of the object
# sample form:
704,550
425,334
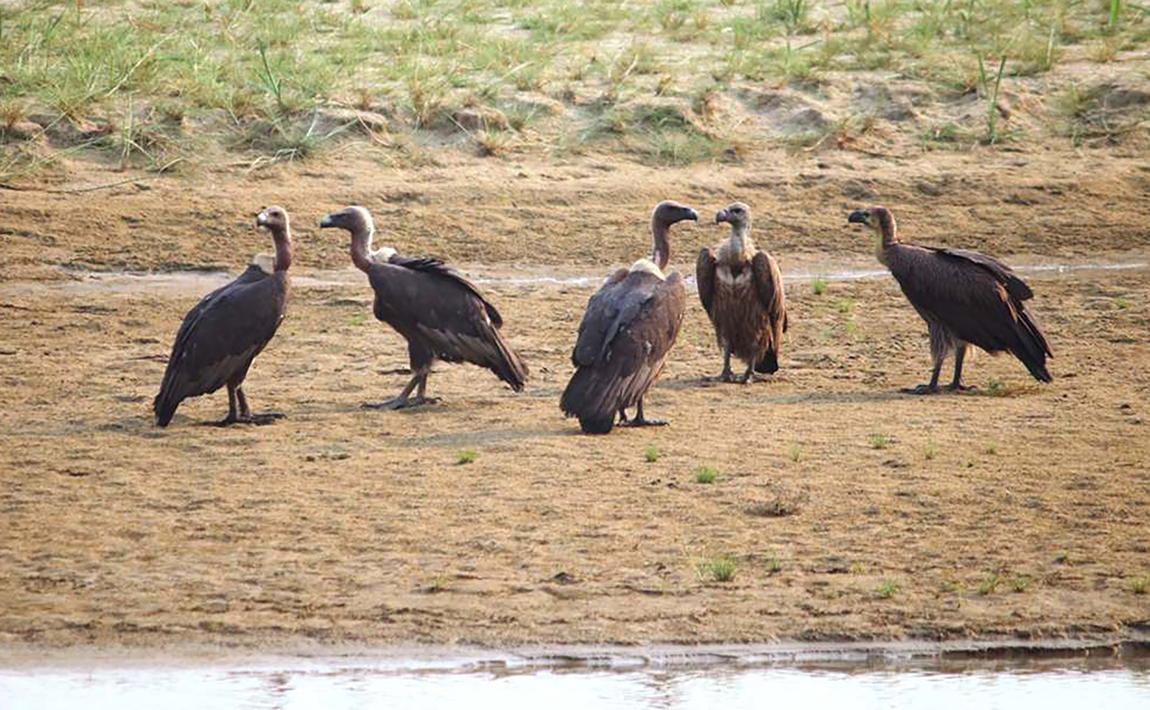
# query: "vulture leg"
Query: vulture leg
726,375
231,418
640,420
956,384
246,416
418,379
940,345
749,375
623,416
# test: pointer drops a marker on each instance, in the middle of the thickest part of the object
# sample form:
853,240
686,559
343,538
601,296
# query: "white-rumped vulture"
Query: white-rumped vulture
966,298
742,291
225,331
629,325
440,313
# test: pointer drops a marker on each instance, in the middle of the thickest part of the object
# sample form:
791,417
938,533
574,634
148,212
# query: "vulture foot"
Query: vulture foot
253,419
726,376
392,405
921,389
637,422
956,387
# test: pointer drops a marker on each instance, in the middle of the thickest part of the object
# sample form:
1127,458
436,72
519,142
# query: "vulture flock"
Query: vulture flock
629,326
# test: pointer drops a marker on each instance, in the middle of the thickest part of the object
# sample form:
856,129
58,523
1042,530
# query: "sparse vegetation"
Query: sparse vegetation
879,441
1019,584
991,449
465,457
718,569
887,589
988,584
930,451
705,475
818,286
651,454
1139,585
795,453
773,566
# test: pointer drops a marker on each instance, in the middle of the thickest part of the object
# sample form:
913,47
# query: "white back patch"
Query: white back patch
382,255
650,267
266,262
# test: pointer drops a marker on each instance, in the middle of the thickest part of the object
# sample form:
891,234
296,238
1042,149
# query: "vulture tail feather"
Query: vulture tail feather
592,399
769,363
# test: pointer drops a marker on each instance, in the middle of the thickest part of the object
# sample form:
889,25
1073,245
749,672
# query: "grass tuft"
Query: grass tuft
465,457
718,569
1139,585
706,475
651,454
887,589
819,286
879,441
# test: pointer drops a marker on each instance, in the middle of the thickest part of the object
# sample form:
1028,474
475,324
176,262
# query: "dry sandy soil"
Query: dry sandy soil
851,511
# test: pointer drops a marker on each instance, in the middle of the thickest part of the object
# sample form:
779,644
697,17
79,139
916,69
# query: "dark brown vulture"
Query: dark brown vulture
629,325
966,298
225,331
440,313
742,291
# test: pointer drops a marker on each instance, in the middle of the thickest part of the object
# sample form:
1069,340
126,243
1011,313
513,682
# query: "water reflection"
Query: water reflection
1116,683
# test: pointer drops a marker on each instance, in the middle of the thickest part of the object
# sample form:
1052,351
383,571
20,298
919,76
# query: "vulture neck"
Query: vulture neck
361,248
887,238
739,247
282,237
662,250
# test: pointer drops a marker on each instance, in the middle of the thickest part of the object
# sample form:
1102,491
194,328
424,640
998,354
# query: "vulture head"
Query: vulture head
356,220
273,218
737,214
669,212
877,218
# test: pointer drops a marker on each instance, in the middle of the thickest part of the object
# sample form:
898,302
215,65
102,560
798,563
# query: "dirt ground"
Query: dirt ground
851,511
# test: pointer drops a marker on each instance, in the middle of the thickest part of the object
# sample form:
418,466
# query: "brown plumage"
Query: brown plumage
629,326
440,313
966,298
227,329
742,291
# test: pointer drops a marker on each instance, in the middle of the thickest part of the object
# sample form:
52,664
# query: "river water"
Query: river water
628,679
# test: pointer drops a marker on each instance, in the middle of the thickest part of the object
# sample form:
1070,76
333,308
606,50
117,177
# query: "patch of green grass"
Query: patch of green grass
718,569
990,449
887,589
844,306
1019,584
773,566
795,453
879,441
819,286
1138,585
651,454
988,585
357,319
705,475
997,388
465,457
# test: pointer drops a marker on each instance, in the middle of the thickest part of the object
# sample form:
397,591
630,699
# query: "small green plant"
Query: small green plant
773,566
879,441
991,449
719,569
705,475
1061,558
997,388
858,568
991,94
844,306
887,589
465,457
988,585
819,286
1139,585
795,453
651,454
357,319
1019,584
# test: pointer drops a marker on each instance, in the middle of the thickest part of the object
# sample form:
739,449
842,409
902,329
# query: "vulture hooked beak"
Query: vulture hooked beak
262,218
860,217
722,216
326,222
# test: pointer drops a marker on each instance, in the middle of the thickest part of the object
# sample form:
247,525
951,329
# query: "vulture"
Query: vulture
440,313
227,329
629,325
966,298
742,291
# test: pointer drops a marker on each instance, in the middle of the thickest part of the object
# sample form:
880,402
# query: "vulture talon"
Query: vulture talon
636,422
966,298
228,328
741,288
921,389
629,325
440,313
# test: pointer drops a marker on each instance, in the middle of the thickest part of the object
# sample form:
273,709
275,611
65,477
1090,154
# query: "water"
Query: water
625,681
199,282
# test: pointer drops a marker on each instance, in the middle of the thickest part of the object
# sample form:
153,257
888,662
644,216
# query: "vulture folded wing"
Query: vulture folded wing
437,268
1003,273
705,277
769,285
602,312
